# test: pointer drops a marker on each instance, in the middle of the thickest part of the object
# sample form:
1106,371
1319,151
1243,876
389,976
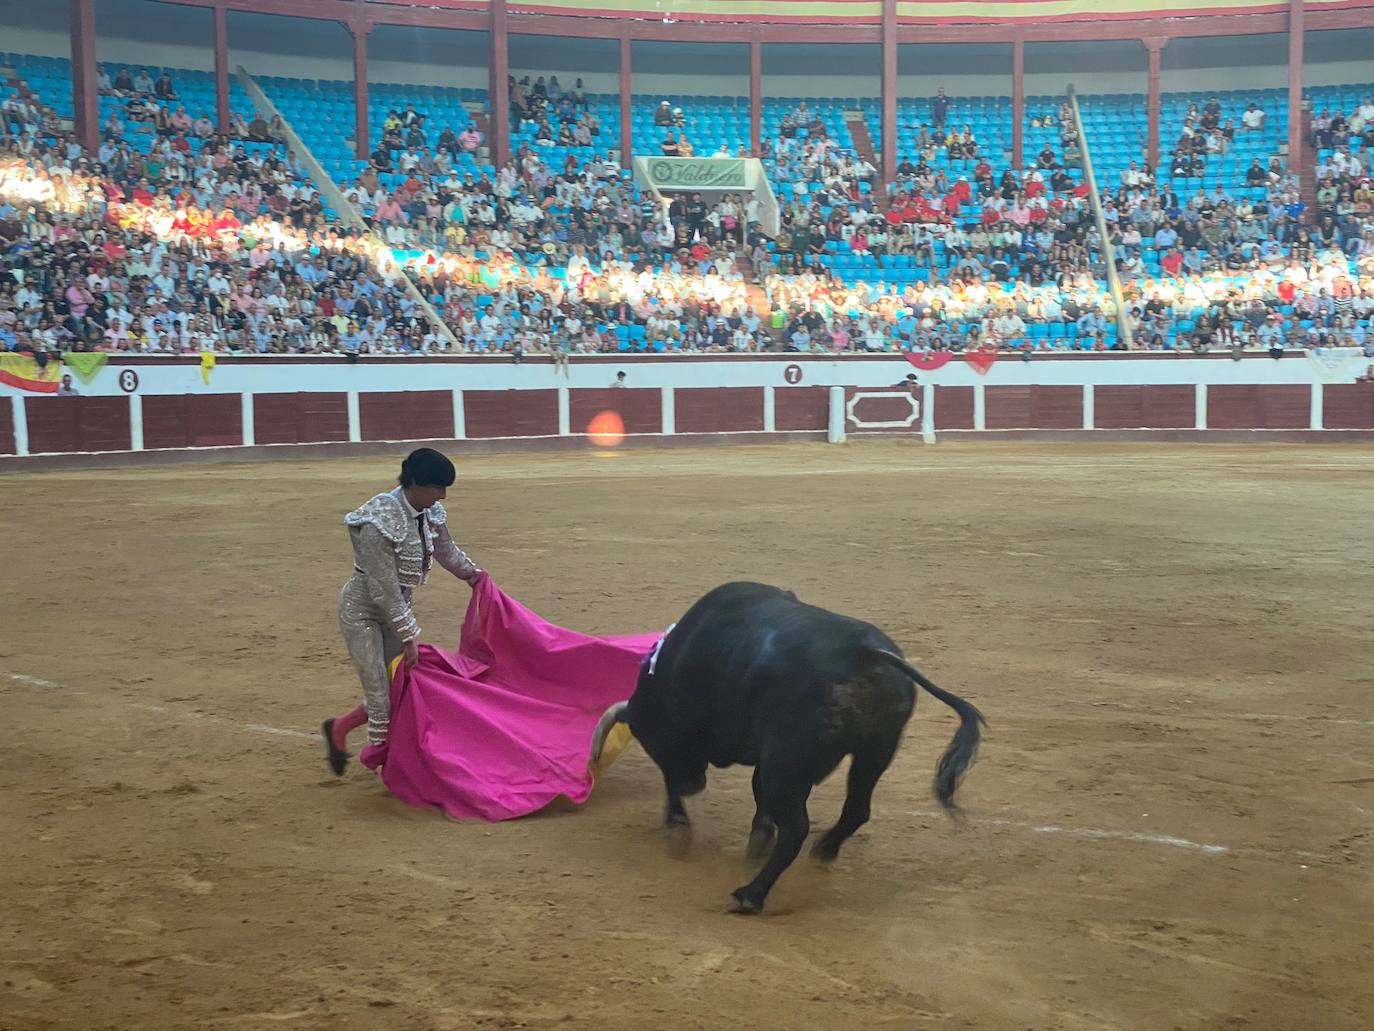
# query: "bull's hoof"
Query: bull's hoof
760,843
678,836
743,905
825,852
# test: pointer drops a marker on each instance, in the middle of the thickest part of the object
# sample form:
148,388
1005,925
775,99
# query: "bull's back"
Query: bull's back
749,664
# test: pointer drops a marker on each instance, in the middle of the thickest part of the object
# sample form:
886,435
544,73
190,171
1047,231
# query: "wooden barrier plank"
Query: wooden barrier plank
639,408
1348,406
801,408
1056,408
1006,408
212,420
718,409
511,413
7,445
1236,406
165,424
66,424
953,408
406,415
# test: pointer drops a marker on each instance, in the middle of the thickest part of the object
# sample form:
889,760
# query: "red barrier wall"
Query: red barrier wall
6,427
1260,407
1348,406
306,418
718,409
1032,408
953,408
1144,407
406,415
192,420
801,408
58,424
511,413
640,409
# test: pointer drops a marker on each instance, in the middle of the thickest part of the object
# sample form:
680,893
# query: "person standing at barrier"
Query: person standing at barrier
396,536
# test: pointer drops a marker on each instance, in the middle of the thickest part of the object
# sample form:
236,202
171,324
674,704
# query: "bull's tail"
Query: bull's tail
959,755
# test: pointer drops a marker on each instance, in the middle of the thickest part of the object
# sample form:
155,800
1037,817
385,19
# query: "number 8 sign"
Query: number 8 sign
128,381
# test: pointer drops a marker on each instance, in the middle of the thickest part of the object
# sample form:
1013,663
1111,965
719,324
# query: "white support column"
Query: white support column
564,412
978,407
21,425
835,433
1200,406
460,417
669,412
246,408
135,422
928,413
770,419
1089,414
355,422
1318,406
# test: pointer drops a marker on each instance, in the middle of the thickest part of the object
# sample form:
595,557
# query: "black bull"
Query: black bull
752,676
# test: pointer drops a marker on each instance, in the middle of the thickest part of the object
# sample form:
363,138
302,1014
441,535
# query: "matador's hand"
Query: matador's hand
412,652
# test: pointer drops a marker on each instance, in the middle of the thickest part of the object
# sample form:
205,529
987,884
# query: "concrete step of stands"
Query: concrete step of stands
753,291
864,148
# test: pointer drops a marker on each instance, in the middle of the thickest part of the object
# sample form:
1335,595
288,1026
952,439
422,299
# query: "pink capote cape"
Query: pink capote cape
503,726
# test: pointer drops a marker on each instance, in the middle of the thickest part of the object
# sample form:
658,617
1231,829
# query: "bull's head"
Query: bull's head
683,766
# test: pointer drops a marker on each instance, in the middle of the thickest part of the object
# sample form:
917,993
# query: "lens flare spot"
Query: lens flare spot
606,429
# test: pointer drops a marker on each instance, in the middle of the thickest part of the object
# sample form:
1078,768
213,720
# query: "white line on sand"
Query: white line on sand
203,717
184,715
24,678
1036,828
1093,832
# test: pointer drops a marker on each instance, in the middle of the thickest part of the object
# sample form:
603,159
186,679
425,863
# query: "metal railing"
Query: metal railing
1123,323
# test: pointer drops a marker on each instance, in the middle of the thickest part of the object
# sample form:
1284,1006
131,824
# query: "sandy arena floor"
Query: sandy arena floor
1171,824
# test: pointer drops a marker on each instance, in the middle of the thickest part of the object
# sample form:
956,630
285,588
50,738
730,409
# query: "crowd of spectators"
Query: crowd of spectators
553,115
1208,131
214,246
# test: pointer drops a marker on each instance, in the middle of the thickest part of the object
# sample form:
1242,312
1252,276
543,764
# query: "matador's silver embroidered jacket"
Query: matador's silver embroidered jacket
393,548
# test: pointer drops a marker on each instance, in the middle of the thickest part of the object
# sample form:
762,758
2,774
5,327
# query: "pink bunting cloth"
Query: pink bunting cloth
503,726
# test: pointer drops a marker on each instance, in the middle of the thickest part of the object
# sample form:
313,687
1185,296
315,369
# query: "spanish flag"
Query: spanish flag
23,372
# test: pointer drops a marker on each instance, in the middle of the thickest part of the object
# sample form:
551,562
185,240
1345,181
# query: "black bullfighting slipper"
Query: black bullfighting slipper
337,757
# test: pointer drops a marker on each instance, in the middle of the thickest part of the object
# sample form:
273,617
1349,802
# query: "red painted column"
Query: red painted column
1018,101
889,133
626,102
362,131
1297,131
221,70
499,89
85,93
1155,45
755,96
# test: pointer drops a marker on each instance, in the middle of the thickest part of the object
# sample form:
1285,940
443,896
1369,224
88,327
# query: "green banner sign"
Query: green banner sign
697,173
85,364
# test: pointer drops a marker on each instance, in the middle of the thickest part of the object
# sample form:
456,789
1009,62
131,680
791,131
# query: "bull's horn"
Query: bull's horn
609,719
